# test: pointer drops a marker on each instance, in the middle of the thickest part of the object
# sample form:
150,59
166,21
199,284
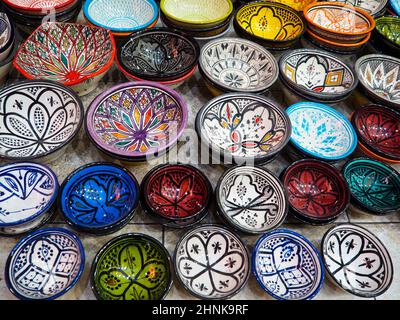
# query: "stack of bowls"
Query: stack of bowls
7,45
338,27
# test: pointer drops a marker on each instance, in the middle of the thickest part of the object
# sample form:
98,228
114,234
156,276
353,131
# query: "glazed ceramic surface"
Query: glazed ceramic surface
33,5
136,119
373,7
45,265
37,118
238,65
389,28
357,260
212,263
373,185
132,267
396,6
321,131
5,31
298,5
287,266
247,127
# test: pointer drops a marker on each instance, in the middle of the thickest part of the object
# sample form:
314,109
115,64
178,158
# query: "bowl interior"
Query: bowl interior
389,28
371,6
132,267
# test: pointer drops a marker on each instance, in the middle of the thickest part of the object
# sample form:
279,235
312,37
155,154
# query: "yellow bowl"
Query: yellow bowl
298,5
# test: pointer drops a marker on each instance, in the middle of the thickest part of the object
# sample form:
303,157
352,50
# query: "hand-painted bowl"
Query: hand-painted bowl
379,76
7,36
212,263
317,75
298,5
317,191
273,25
395,4
374,186
387,34
378,129
136,120
80,55
121,16
357,261
37,7
374,7
132,267
243,127
238,65
251,199
287,266
6,65
45,265
28,192
158,54
38,119
321,132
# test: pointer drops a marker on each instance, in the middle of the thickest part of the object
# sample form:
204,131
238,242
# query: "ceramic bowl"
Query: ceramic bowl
357,261
251,199
45,265
243,127
273,25
379,76
80,63
387,35
317,191
121,16
287,266
212,263
37,7
395,4
38,120
238,65
317,75
176,193
132,267
321,132
374,186
6,65
7,36
298,5
374,7
136,120
158,54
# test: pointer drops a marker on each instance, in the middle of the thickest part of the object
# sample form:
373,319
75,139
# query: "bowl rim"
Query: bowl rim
375,156
86,12
340,117
230,220
301,238
224,230
52,199
106,229
377,11
366,15
32,236
131,235
336,228
263,86
11,39
73,94
19,7
328,42
123,86
82,79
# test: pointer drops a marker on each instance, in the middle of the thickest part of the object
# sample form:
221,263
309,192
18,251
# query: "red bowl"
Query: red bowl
32,6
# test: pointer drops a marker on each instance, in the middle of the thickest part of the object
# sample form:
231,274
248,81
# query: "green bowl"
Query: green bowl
387,32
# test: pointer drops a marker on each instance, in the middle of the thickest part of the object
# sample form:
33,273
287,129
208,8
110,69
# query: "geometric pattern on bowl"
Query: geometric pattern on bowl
212,263
357,260
37,118
35,5
238,65
287,266
373,7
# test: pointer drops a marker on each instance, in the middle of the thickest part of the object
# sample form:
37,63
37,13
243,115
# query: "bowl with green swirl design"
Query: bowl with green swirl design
132,267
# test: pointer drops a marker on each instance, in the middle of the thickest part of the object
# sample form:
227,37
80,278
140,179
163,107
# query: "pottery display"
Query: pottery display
357,261
212,263
375,8
387,35
132,267
287,266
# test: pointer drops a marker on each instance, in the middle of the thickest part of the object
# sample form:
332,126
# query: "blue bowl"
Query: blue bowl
321,132
45,265
396,6
288,266
99,198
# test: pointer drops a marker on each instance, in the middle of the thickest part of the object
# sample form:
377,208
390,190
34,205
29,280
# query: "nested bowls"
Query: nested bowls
317,191
375,8
317,75
136,121
273,25
387,35
99,198
357,261
132,267
212,263
45,265
243,128
251,199
232,64
78,56
38,120
321,132
287,266
374,186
